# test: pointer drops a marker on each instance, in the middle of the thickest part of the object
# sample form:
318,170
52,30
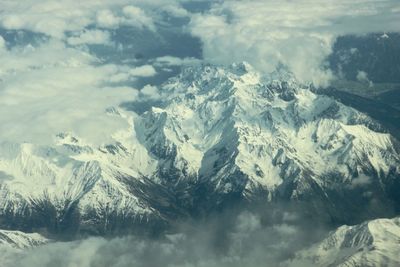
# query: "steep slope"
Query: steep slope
372,243
219,133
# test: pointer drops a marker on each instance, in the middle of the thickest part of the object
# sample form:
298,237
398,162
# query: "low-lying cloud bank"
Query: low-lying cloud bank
249,239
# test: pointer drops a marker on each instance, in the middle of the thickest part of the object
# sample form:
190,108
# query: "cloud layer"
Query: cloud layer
298,34
61,70
79,58
56,18
50,89
246,239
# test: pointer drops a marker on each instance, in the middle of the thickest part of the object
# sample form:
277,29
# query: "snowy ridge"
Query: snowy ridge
51,172
68,176
372,243
20,240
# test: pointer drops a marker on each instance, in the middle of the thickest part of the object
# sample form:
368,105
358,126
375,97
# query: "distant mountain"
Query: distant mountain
219,134
372,243
20,240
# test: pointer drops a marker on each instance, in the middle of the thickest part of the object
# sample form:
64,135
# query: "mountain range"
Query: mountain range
219,136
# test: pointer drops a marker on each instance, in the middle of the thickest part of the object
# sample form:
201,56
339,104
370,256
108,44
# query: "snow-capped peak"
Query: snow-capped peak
372,243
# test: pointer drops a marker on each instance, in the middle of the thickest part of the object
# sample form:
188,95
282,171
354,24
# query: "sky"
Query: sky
74,59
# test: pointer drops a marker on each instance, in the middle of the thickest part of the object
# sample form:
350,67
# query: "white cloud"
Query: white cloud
175,61
137,17
127,73
362,77
54,18
107,19
220,241
50,89
150,92
143,71
90,37
298,34
129,15
40,84
50,17
361,181
176,11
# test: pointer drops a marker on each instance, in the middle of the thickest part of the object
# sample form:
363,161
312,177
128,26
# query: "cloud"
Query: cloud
55,18
48,17
107,19
175,61
56,83
361,181
143,71
50,88
150,92
229,239
90,37
298,34
362,77
136,16
176,11
129,16
126,73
